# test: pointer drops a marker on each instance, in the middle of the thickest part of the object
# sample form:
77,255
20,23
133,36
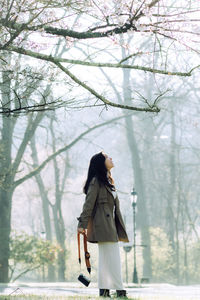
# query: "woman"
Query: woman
102,218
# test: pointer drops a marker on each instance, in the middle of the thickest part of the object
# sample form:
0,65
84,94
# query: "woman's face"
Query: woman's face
108,162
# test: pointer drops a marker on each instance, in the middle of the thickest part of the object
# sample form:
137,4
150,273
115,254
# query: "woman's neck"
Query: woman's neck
110,179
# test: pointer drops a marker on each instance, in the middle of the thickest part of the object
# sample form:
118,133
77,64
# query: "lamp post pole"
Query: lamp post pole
134,203
127,249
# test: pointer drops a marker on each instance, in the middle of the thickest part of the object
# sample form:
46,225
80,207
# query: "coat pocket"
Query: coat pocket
104,207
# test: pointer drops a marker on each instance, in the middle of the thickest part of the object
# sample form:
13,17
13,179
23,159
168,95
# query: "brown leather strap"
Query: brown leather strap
87,254
79,248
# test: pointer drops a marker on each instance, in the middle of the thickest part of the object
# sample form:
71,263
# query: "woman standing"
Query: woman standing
102,218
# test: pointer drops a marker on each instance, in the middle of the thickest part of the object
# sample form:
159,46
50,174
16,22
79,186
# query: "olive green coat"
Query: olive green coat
101,215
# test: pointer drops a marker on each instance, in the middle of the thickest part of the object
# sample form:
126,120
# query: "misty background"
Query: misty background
45,153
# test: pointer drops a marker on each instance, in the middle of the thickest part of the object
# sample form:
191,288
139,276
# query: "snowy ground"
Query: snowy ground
146,291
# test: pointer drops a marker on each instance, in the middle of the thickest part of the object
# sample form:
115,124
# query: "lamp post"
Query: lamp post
127,249
134,203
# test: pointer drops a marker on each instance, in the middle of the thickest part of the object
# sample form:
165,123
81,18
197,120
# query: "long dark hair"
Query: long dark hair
98,169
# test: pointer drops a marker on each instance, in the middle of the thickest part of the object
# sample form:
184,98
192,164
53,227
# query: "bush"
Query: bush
28,253
162,256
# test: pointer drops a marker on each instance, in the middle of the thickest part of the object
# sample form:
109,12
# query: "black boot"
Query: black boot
122,294
104,293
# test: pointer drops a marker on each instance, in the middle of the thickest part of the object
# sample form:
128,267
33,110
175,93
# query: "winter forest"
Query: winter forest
80,77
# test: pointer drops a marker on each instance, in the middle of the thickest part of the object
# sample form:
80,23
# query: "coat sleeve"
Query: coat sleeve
120,226
118,212
89,204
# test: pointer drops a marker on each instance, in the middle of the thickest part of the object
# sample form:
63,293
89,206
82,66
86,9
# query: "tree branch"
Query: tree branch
101,97
86,87
25,271
63,149
89,34
93,64
31,127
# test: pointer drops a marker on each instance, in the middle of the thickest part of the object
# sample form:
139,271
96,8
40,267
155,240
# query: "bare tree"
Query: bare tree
9,168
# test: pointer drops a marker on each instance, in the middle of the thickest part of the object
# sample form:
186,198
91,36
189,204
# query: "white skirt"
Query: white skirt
109,269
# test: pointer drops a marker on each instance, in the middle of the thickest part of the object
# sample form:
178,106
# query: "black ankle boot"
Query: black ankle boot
104,293
122,294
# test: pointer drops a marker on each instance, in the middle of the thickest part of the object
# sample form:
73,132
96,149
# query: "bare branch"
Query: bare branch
176,14
65,148
98,64
101,97
136,54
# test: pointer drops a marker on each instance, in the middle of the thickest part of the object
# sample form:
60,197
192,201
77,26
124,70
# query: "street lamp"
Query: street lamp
134,203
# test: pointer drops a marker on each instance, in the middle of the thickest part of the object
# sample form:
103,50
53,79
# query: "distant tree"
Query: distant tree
18,86
171,171
10,160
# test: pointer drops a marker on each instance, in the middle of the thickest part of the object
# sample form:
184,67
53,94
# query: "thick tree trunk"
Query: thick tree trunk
7,175
6,180
5,227
8,168
142,218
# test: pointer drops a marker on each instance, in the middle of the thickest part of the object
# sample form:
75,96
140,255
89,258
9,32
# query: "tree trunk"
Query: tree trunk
45,207
57,211
186,277
172,184
142,217
60,237
6,182
5,227
59,226
7,172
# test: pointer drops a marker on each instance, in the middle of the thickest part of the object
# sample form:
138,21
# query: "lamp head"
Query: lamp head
134,197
